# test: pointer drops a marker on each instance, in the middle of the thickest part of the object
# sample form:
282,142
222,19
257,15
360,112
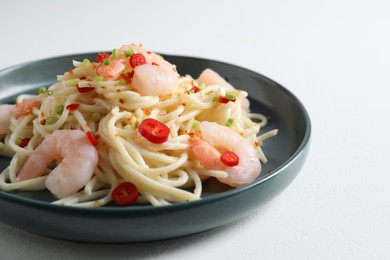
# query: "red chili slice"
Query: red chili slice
92,138
83,90
137,59
73,107
230,159
224,100
154,131
194,89
101,56
24,142
125,194
128,76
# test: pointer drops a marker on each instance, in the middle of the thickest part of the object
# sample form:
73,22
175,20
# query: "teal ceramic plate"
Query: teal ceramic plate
32,211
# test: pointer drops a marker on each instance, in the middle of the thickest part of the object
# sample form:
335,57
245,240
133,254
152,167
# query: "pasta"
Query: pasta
109,100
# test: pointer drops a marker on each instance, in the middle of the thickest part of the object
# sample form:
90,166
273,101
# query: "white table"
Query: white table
333,55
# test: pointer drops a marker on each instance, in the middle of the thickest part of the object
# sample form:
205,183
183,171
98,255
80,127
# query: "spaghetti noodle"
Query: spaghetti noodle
108,100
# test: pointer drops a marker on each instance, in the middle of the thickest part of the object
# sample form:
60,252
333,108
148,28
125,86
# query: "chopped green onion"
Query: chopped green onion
42,90
73,82
18,140
50,92
195,124
215,99
122,82
114,53
229,122
107,61
96,116
59,109
201,86
231,95
86,61
99,79
128,52
125,71
131,50
127,127
50,121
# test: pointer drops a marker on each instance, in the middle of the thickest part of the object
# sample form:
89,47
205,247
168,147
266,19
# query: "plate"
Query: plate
32,211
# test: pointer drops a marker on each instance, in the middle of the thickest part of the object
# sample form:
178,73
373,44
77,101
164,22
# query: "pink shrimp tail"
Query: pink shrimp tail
35,165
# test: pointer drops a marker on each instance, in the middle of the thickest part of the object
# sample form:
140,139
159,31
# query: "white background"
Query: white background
333,55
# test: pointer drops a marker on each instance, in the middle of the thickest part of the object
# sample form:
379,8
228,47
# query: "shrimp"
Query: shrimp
210,77
26,107
6,113
216,138
21,109
152,80
112,71
156,77
79,159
